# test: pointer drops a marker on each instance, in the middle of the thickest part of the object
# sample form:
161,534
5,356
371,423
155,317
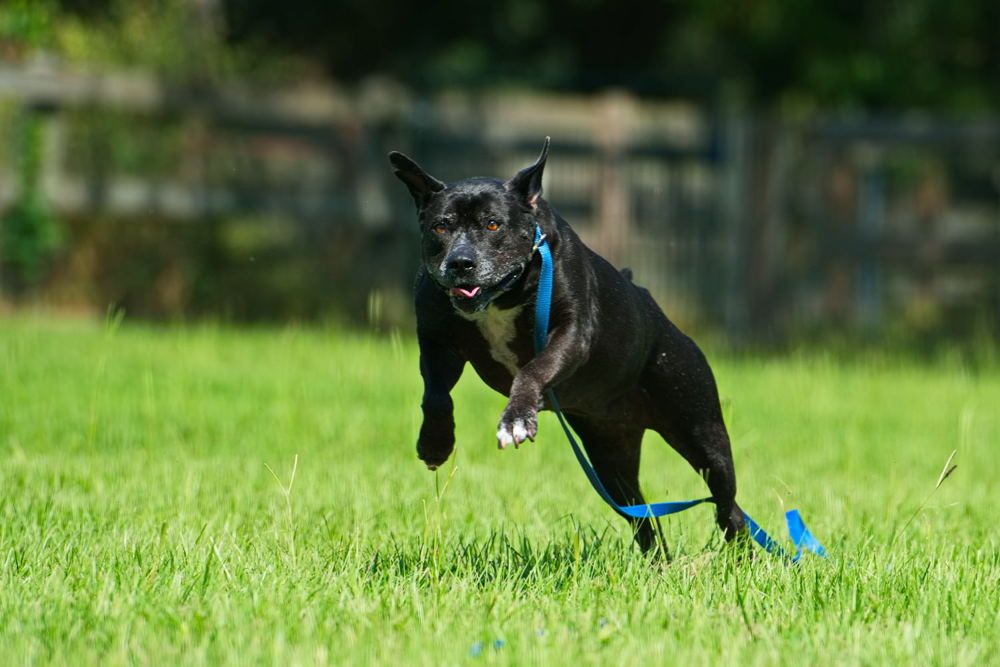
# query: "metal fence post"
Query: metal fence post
871,216
735,133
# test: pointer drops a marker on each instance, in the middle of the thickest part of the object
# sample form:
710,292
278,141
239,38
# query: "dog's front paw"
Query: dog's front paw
516,427
433,455
435,444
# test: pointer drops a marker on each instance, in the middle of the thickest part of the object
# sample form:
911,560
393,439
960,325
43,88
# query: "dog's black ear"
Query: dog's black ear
420,184
527,183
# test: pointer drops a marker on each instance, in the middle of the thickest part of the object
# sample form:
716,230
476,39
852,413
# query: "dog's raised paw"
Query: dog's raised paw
515,431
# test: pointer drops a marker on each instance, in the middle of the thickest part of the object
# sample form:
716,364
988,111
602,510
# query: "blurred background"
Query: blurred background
775,172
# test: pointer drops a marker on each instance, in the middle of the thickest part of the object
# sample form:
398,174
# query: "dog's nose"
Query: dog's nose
460,262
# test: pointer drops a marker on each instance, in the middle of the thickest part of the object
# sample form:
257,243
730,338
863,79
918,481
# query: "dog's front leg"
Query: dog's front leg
440,367
566,350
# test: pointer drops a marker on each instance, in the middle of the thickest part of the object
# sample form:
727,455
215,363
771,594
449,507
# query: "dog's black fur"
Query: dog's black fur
618,365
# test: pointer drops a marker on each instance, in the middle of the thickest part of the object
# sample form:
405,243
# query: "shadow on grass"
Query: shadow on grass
504,558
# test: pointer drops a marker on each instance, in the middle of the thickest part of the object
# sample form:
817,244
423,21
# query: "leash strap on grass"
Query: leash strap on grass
801,537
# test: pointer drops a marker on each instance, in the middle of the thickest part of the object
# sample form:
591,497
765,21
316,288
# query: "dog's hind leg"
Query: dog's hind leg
613,450
685,410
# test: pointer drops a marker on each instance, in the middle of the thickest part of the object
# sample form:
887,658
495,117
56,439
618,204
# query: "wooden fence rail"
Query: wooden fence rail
758,226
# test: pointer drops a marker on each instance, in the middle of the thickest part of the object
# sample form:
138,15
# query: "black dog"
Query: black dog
615,361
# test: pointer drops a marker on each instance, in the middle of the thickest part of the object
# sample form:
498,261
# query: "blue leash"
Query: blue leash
801,537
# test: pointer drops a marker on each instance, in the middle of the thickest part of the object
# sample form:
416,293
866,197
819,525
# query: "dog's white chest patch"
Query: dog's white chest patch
498,329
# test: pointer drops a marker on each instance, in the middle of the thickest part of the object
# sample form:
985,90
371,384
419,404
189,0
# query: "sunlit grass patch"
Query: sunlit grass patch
148,513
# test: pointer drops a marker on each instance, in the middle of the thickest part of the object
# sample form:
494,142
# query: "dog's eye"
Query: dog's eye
492,225
439,228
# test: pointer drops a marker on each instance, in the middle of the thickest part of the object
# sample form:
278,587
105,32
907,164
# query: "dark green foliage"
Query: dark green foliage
29,234
877,55
806,53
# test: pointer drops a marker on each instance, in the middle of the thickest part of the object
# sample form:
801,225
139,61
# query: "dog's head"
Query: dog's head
478,233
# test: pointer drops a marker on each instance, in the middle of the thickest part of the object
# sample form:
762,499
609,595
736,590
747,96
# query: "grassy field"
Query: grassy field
140,521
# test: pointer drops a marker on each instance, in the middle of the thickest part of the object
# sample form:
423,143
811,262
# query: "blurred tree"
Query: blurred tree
178,39
24,26
879,54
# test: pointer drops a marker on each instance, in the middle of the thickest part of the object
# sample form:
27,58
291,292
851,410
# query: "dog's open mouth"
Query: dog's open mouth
472,298
465,292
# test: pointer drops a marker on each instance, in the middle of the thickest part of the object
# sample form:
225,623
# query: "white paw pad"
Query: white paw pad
504,437
512,434
520,432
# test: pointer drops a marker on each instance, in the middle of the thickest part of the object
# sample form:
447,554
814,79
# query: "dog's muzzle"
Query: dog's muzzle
474,298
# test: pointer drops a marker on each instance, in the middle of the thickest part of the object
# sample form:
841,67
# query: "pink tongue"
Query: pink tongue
467,293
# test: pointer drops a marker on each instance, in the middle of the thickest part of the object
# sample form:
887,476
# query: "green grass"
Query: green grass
139,521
